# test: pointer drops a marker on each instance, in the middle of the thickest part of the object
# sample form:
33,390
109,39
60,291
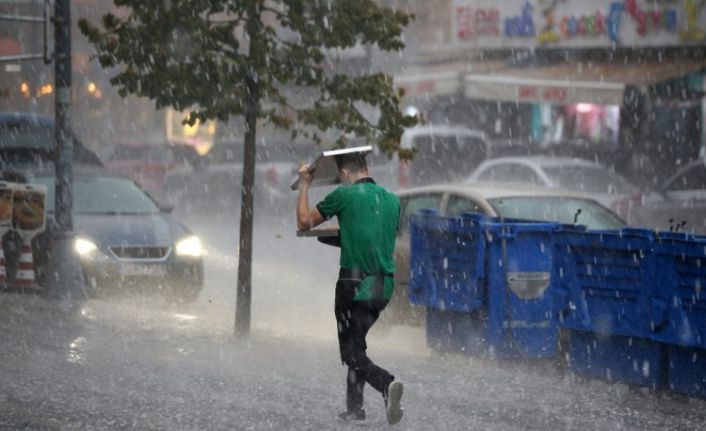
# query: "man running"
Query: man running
368,217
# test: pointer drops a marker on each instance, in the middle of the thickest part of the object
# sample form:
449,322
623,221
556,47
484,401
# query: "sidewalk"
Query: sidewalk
123,365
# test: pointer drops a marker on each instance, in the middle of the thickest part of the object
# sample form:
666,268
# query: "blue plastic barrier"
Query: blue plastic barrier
680,300
604,281
632,360
485,283
681,304
632,300
687,370
607,298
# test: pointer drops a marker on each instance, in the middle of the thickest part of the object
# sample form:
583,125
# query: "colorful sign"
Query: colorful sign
29,208
574,23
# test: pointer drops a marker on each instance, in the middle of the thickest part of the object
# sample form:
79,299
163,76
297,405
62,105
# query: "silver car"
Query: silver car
592,179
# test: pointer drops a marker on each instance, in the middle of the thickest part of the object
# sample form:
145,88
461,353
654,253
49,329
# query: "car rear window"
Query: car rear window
104,195
557,209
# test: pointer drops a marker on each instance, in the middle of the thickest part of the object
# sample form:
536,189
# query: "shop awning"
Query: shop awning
432,80
572,82
430,84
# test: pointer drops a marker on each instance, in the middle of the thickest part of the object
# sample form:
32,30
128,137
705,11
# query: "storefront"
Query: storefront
625,76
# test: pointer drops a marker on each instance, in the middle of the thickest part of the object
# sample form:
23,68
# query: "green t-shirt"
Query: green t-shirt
368,217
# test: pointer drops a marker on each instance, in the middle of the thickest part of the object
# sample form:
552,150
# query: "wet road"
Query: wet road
142,363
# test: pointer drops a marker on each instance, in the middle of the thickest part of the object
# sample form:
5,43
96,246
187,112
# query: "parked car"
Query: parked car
217,185
592,179
125,239
28,140
149,164
507,200
679,204
443,153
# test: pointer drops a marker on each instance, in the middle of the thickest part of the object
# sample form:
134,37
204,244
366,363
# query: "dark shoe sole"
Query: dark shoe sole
394,395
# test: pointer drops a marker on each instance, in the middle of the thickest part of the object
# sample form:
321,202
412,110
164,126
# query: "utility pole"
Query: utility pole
62,123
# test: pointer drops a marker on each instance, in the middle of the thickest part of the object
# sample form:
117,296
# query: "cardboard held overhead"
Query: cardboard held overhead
324,167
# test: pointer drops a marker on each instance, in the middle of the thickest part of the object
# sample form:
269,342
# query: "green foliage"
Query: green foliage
193,55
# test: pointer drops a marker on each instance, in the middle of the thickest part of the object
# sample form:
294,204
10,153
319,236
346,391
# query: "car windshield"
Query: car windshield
557,209
25,135
591,179
104,195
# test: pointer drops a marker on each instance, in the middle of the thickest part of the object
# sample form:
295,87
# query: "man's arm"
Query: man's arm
306,218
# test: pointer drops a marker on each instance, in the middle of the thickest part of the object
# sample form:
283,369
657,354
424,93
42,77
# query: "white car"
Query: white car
591,179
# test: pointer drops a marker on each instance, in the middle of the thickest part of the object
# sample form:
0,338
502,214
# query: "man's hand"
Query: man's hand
306,175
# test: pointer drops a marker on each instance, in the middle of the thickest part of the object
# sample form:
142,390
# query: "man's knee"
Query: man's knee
354,356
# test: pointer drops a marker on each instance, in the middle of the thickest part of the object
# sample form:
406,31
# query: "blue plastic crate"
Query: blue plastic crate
614,358
687,370
520,306
679,304
605,281
447,262
486,284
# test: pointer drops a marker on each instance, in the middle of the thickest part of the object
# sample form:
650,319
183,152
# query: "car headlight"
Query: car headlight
190,246
84,246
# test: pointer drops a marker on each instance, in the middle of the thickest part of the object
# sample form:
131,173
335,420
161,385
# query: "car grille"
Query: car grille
140,253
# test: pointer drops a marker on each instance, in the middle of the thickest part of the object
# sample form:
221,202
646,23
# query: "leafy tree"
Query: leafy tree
217,59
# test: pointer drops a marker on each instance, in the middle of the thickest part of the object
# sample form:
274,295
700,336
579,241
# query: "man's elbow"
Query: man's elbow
303,223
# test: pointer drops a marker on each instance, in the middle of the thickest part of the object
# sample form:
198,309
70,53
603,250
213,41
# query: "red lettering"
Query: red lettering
526,92
641,19
600,23
426,87
656,18
464,21
564,27
554,94
631,7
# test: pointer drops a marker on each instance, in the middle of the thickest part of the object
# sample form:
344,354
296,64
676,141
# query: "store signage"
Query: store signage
574,23
518,89
425,84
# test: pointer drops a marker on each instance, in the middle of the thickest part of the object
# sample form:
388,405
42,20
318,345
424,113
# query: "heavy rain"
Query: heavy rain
189,229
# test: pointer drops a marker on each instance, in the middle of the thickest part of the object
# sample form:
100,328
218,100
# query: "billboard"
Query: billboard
500,24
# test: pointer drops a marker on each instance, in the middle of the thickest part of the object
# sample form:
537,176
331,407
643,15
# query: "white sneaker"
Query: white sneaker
394,395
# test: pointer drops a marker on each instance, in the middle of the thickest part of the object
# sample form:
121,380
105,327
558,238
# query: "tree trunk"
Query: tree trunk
244,292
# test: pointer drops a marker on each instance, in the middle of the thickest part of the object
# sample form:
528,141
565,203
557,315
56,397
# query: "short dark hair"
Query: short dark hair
352,162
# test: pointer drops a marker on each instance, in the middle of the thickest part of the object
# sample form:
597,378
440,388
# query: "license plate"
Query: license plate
144,270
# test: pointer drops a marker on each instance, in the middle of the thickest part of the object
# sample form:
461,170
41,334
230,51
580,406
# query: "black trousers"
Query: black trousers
354,319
